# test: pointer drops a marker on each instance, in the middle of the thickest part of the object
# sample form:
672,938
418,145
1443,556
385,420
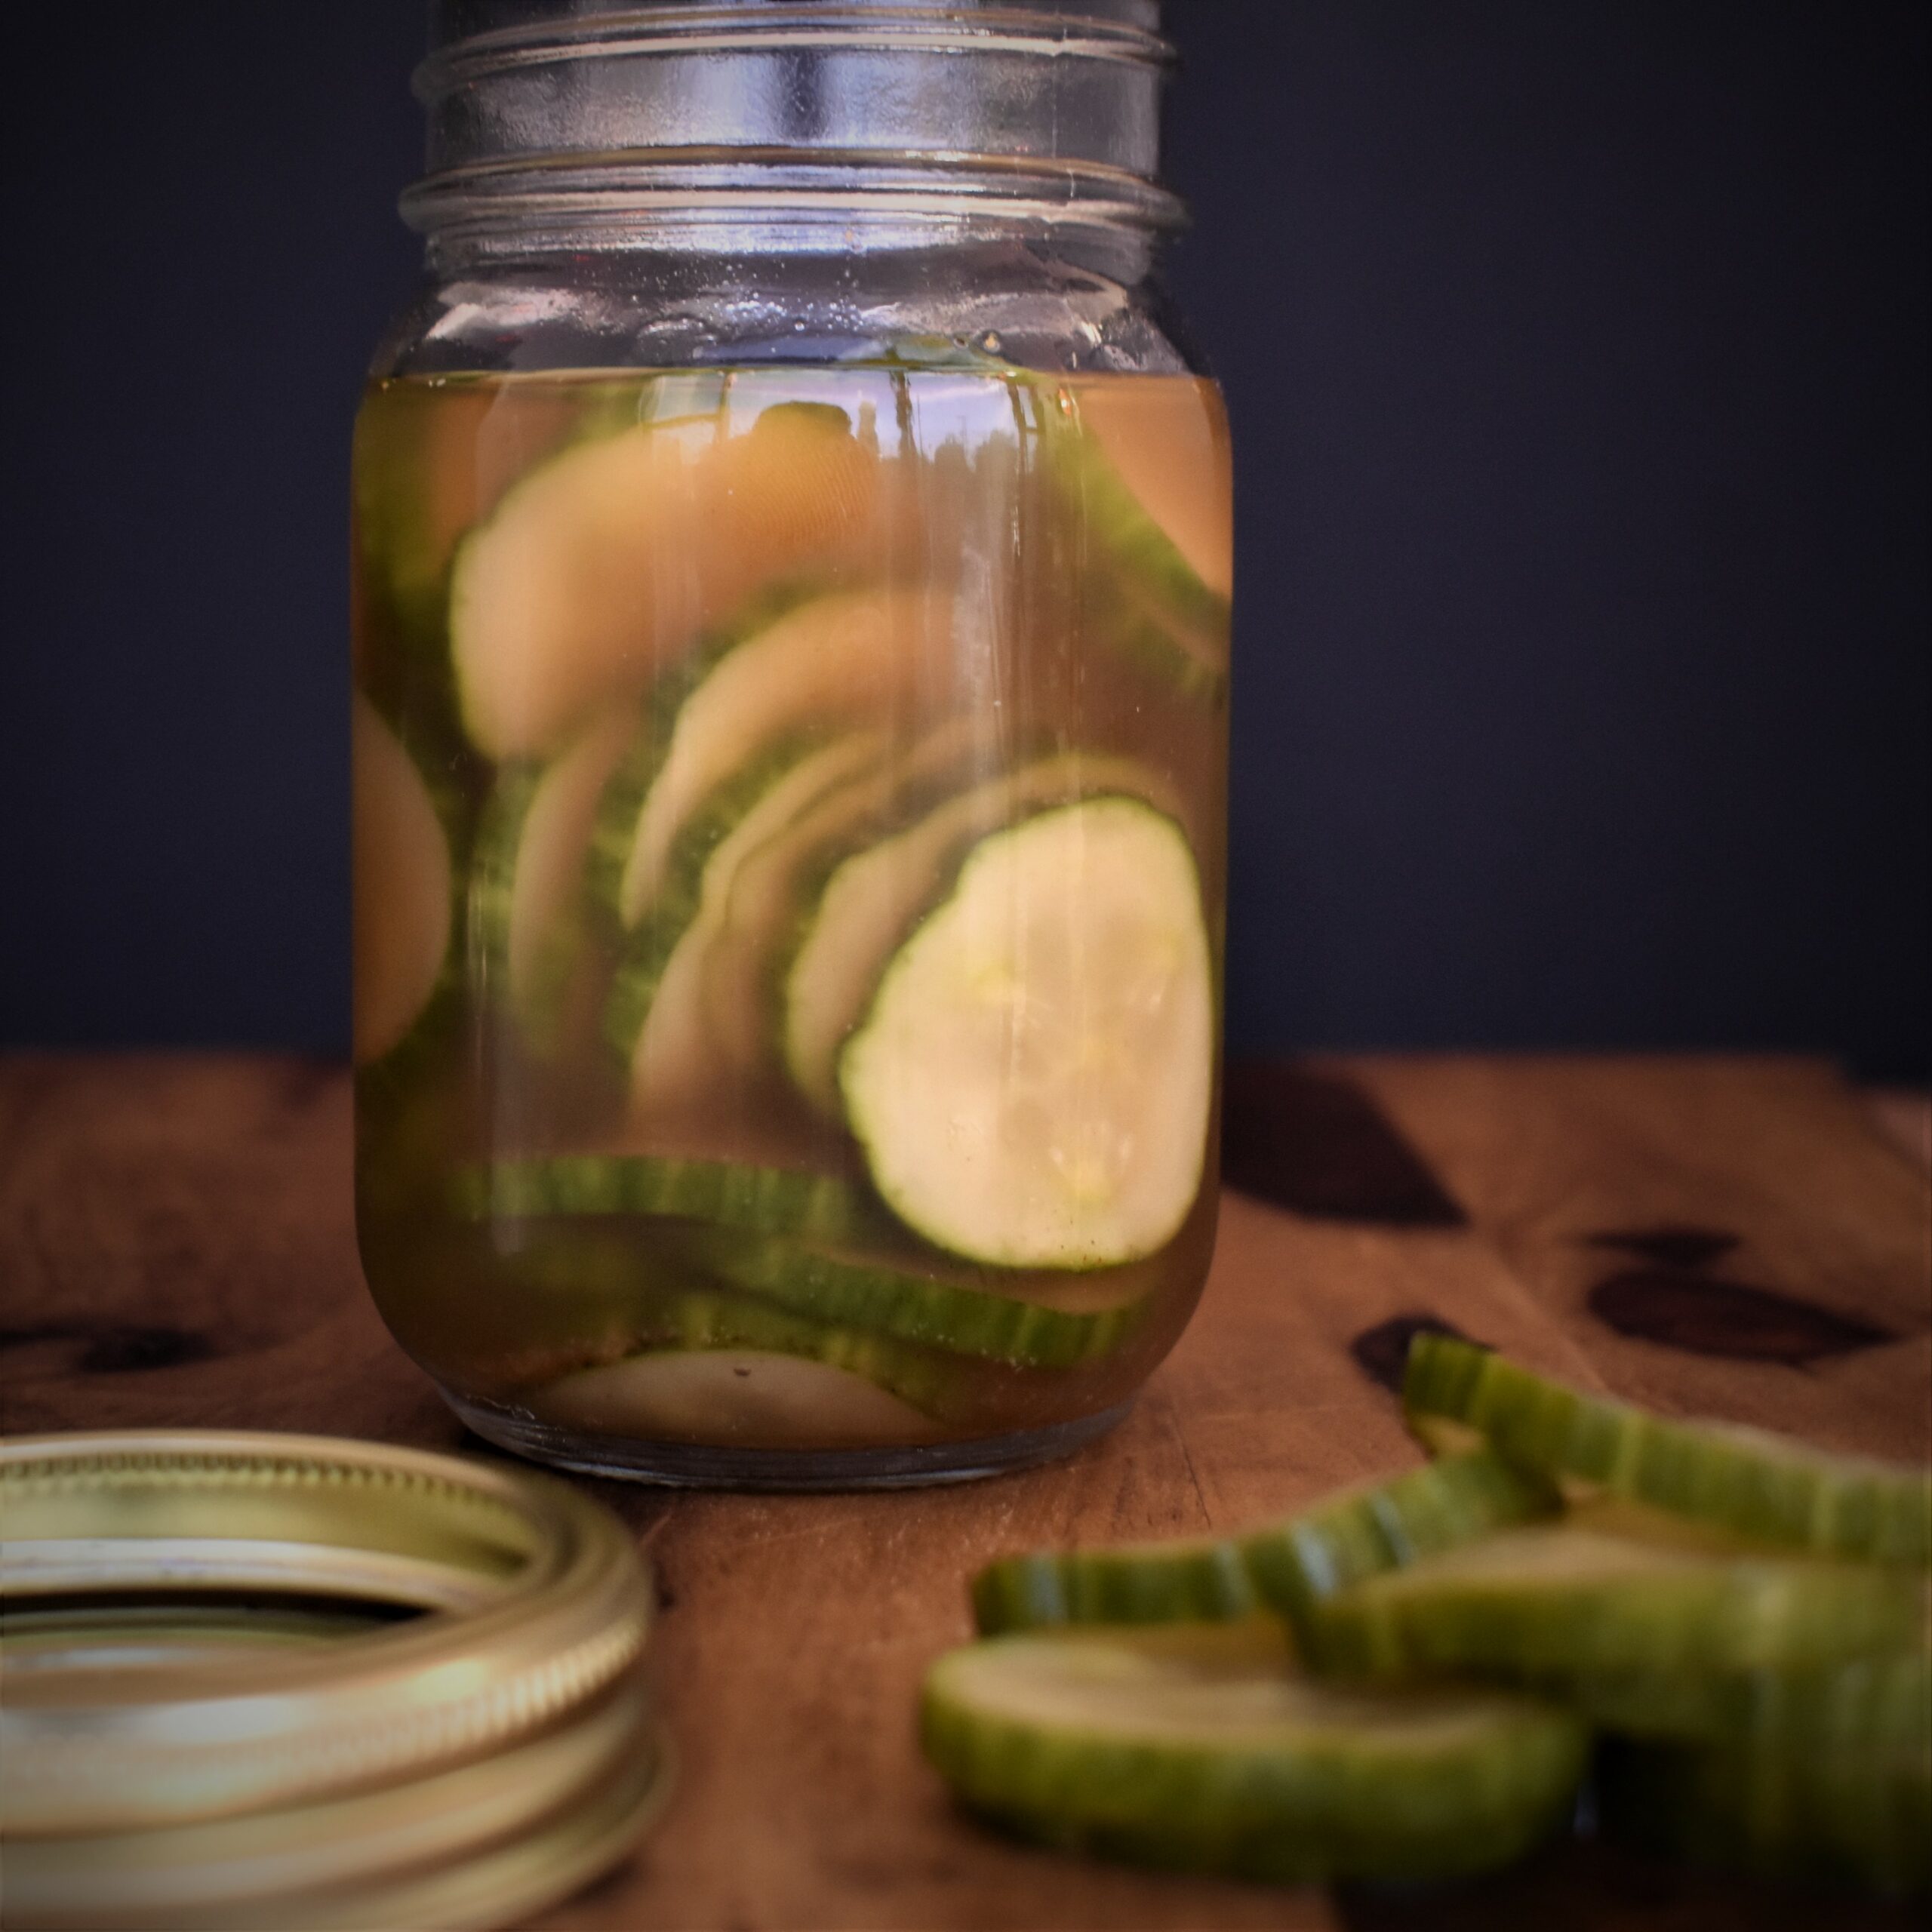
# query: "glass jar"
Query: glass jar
792,562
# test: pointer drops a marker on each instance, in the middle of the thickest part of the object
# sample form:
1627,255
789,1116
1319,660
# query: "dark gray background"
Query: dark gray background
1577,359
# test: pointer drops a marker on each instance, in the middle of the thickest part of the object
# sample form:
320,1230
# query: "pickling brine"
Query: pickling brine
789,809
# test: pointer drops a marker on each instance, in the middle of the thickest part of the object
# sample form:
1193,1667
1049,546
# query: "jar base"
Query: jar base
710,1465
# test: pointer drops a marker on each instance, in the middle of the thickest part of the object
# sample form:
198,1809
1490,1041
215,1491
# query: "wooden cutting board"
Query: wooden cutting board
1727,1237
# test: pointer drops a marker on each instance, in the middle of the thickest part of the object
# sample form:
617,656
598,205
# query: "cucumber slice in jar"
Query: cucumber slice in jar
527,878
870,899
403,895
830,1386
1031,1086
1200,1747
1561,1606
892,1295
850,656
762,1200
764,898
604,565
739,1398
1763,1487
1284,1568
1141,465
655,1016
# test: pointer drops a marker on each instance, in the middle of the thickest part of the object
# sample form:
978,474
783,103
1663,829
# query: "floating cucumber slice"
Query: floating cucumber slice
858,1290
1758,1485
1285,1567
762,1200
1555,1605
867,902
850,656
1145,464
402,887
747,1397
663,1038
527,875
603,565
696,1323
1200,1746
1759,1805
764,896
1031,1084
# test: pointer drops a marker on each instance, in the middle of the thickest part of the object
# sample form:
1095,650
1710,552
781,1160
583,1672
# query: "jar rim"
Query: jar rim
1057,33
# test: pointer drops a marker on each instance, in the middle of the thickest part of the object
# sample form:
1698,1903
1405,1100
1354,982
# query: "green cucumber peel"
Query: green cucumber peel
763,1200
893,1296
1287,1566
1199,1747
1754,1484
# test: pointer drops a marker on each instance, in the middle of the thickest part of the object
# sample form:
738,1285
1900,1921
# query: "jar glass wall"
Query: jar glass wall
792,563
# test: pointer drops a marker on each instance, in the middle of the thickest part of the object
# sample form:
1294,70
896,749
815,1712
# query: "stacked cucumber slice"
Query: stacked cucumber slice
830,915
1402,1681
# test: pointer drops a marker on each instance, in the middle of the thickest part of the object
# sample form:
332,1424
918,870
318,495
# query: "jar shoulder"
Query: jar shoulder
1037,307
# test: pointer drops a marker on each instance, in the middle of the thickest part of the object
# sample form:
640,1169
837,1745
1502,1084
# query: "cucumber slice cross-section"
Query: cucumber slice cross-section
1760,1486
868,900
1031,1084
1201,1747
1285,1567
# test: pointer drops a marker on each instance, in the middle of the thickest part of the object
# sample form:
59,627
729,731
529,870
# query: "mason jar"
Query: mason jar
793,557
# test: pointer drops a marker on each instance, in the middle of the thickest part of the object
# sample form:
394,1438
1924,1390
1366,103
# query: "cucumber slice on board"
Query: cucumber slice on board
764,898
403,904
1859,1816
868,902
849,656
663,1040
1201,1747
1557,1606
1031,1084
1284,1568
895,1296
605,564
761,1200
527,905
1763,1487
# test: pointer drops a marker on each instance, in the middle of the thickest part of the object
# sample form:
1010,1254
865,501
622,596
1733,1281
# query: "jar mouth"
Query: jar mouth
572,109
1091,32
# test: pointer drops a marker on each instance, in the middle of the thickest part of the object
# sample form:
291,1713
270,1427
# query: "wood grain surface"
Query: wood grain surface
1724,1237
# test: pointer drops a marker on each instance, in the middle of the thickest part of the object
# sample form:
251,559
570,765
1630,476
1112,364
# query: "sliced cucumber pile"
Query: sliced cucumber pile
1203,1747
1032,1084
1759,1704
1744,1481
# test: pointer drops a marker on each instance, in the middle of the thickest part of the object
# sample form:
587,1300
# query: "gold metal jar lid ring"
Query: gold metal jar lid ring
540,1606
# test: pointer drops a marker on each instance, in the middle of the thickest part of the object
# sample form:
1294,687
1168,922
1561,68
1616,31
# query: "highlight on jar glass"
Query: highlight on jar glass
790,653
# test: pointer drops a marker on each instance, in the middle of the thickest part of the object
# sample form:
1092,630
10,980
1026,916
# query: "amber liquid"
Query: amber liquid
1063,544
